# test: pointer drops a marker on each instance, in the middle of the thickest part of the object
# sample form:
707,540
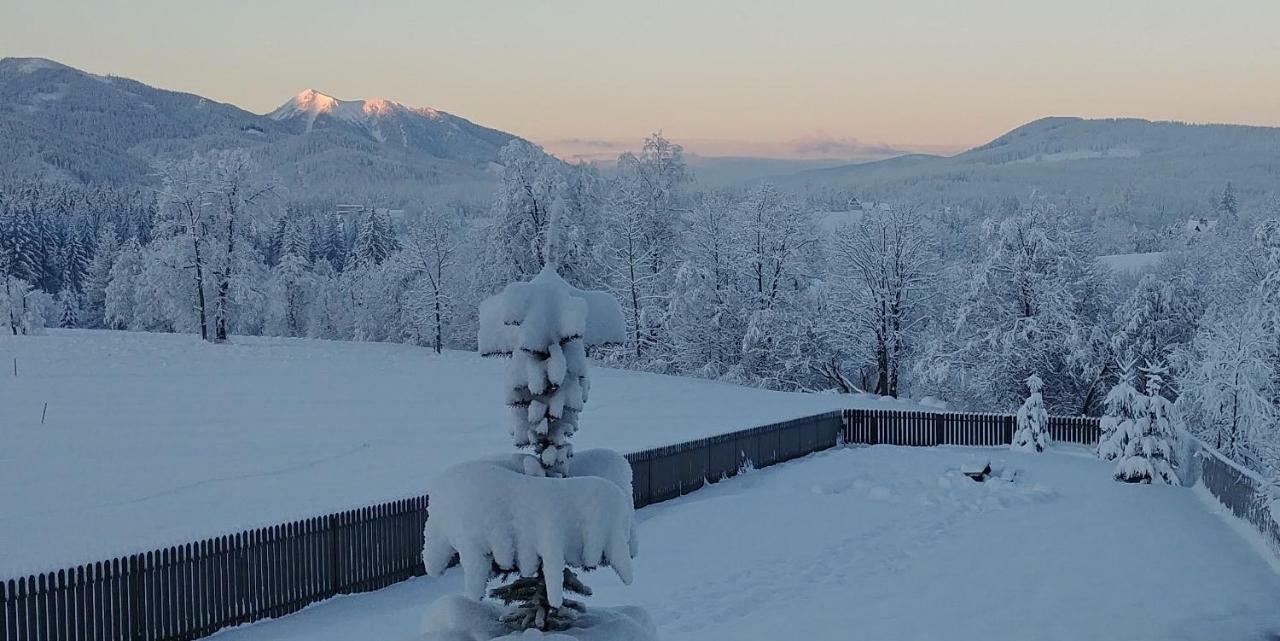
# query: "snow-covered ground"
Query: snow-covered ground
893,543
152,440
1131,263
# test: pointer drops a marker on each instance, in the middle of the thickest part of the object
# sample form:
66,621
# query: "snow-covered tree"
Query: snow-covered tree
429,259
375,241
1032,433
881,272
1120,410
68,309
234,189
19,310
1029,306
544,325
291,290
708,305
1150,440
119,296
1228,206
106,248
1229,385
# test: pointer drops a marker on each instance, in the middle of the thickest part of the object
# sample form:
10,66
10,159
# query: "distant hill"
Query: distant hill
65,124
1139,170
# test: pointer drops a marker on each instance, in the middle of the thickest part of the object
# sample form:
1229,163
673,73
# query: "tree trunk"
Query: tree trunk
200,302
224,279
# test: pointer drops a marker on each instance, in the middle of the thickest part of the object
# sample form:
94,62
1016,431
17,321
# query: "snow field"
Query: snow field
893,543
157,439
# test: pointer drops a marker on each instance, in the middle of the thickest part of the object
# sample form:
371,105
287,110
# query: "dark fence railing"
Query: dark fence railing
193,590
896,427
1244,493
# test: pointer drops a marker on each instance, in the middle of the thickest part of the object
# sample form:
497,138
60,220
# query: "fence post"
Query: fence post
135,597
873,428
939,432
334,581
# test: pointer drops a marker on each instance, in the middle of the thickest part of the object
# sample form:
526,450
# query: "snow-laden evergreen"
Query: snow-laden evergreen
1120,410
1150,440
1032,431
536,518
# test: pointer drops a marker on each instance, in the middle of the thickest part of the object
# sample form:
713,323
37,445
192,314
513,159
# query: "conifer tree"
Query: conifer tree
69,309
1120,410
1032,433
1148,455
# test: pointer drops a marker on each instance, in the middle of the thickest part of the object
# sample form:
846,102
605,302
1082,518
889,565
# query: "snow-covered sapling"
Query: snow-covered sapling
1150,439
538,517
1120,410
1032,434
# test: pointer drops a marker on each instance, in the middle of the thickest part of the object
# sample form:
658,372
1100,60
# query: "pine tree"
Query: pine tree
1228,207
1150,440
98,276
1032,433
75,263
69,306
1120,410
374,242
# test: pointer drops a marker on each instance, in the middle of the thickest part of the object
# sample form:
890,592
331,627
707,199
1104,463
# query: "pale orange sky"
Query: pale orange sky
921,73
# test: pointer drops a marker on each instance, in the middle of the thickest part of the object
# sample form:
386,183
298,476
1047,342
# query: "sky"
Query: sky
798,75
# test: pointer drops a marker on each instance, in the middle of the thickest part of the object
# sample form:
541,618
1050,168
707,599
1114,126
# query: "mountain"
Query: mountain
1141,171
66,124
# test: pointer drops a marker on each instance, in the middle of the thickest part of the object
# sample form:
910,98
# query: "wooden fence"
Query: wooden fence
190,591
896,427
193,590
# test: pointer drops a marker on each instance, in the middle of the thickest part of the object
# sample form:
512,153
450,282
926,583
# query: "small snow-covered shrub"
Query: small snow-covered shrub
1032,434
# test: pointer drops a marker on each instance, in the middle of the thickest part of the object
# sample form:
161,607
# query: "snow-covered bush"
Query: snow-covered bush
1150,440
1120,409
1032,434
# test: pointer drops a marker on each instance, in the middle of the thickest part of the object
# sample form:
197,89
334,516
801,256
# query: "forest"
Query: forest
759,285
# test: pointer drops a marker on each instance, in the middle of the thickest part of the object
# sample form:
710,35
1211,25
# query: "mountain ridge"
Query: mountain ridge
67,124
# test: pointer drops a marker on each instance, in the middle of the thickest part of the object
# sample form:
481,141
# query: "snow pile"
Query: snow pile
492,513
524,314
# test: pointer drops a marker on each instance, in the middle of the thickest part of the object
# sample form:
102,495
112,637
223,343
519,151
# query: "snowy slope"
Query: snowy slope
155,439
1166,170
893,544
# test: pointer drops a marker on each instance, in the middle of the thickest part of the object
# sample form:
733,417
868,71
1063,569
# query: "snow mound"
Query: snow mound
457,618
490,512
